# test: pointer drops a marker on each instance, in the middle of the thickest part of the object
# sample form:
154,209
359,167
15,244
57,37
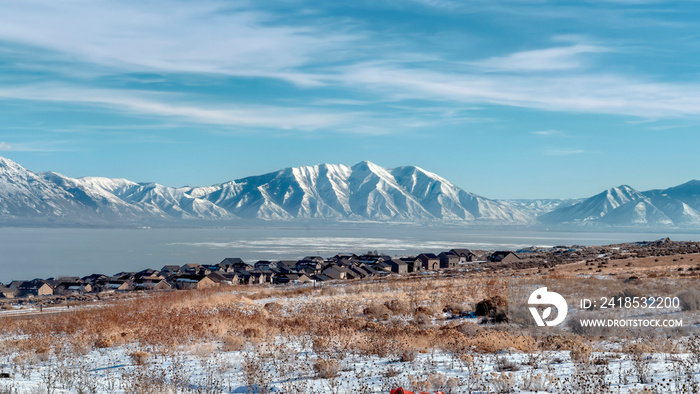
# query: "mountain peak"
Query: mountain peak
365,164
6,163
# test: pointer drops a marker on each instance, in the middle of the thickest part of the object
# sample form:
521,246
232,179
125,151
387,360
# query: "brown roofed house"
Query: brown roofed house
36,287
188,282
502,256
6,292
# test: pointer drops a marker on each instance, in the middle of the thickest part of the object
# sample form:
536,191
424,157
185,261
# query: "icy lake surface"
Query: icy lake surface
26,253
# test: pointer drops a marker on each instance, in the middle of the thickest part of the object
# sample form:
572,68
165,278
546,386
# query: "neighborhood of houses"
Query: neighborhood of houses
235,271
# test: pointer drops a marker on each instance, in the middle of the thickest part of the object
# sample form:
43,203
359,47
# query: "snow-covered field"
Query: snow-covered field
288,366
347,337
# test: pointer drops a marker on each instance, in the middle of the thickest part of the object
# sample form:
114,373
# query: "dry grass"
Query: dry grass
677,265
383,317
405,319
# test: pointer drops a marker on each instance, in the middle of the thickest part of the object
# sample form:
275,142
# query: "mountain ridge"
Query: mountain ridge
364,191
361,192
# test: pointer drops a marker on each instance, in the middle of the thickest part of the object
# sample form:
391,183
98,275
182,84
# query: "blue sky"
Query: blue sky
507,99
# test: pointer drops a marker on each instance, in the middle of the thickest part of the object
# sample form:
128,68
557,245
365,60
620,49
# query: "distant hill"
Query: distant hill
625,206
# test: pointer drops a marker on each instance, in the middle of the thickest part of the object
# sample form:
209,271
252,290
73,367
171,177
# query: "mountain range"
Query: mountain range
363,192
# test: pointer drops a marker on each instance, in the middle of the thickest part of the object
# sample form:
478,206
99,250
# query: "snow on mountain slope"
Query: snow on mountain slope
594,208
363,191
676,210
165,202
624,206
99,199
27,196
688,193
637,212
24,194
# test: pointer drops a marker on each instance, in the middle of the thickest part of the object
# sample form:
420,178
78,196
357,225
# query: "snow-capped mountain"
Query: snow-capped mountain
361,192
625,206
25,194
26,197
364,191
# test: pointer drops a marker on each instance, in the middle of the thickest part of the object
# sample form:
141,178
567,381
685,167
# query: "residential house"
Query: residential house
429,261
188,282
194,269
113,285
94,278
335,271
6,292
263,265
152,284
36,287
292,278
321,278
465,255
67,279
448,260
398,266
414,264
503,256
71,288
382,266
220,279
287,265
169,270
231,264
124,276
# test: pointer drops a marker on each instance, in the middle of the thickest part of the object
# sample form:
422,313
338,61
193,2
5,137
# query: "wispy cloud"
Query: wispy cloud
4,146
548,59
577,92
547,132
168,106
240,116
563,152
216,37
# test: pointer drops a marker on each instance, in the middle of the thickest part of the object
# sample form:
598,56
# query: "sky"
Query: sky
506,99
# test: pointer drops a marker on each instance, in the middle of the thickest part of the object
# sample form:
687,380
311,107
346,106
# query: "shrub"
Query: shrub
102,343
494,308
139,357
326,368
503,364
690,300
273,307
377,311
502,383
398,307
407,356
581,353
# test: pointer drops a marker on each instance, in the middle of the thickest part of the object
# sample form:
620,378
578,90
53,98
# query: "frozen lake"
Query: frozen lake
27,253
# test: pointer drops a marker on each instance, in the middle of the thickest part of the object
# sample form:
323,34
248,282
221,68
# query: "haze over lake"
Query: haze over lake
45,252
